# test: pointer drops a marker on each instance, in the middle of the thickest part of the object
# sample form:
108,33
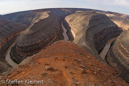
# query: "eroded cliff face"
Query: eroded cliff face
91,29
8,30
121,20
39,35
118,56
8,33
66,64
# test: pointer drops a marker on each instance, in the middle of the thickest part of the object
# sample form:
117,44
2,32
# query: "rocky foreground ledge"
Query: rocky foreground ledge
66,64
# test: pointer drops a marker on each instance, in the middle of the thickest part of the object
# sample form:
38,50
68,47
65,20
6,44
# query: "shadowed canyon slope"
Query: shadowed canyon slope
118,57
91,30
66,64
38,35
8,32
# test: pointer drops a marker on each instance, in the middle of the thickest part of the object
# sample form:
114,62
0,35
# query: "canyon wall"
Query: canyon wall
27,18
39,35
121,20
91,30
118,56
8,32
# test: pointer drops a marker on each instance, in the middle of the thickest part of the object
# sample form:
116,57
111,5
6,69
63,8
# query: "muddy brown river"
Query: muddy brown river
105,50
8,58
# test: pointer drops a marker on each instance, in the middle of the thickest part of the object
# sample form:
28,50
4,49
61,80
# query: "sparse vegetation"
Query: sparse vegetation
66,57
44,74
96,85
66,67
46,64
71,72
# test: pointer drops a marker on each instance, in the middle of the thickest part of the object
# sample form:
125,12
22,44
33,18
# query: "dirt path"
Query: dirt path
103,53
8,58
66,38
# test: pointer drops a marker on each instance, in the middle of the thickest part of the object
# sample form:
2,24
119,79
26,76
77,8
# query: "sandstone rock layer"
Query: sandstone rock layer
8,32
38,35
121,20
118,57
91,29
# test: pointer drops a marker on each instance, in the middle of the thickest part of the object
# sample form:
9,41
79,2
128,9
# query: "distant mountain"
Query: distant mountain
1,16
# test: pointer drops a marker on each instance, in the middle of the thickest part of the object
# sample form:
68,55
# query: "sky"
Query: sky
10,6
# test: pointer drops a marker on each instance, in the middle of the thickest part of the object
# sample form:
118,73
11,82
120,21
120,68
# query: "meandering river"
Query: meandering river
8,58
105,50
103,53
13,64
66,38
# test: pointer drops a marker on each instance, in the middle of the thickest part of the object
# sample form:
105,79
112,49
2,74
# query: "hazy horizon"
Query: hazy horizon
10,6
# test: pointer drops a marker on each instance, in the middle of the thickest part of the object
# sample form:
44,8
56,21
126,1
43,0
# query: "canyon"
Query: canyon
91,48
93,29
8,33
40,34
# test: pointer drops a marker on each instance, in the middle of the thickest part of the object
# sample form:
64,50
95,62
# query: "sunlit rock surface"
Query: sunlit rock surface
91,29
121,20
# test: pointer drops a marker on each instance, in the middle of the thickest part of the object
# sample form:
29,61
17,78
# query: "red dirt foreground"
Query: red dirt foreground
64,64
